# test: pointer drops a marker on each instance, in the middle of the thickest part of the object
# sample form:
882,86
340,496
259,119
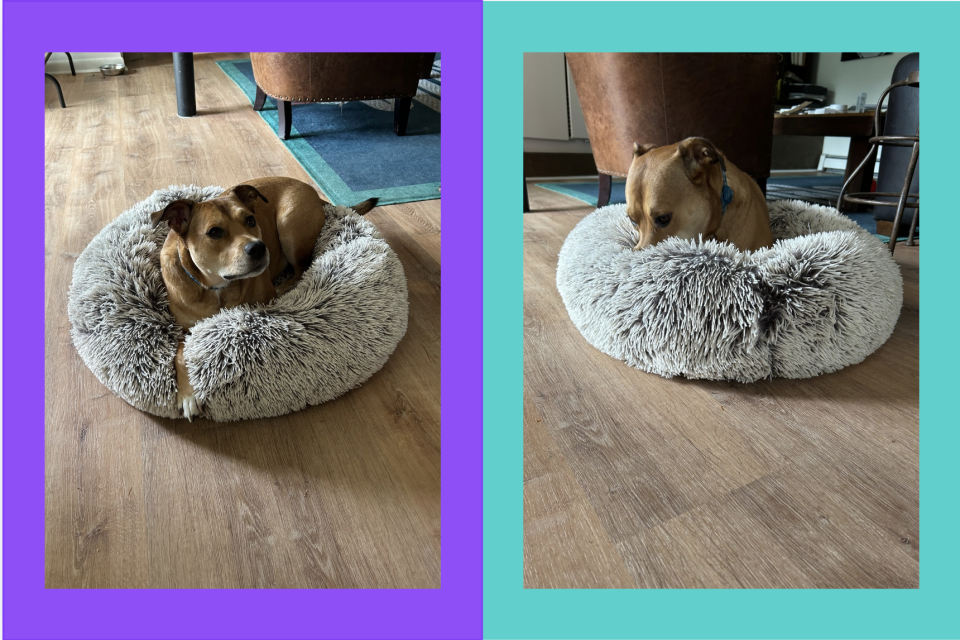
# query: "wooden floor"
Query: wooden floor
633,480
342,495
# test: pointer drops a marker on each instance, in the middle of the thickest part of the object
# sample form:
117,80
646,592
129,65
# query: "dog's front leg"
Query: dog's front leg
186,399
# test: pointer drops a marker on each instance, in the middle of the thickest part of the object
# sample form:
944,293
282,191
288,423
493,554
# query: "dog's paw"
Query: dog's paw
190,406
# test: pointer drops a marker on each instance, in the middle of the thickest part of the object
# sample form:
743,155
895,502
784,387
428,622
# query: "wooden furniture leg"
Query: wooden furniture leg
401,113
286,116
260,100
526,198
606,184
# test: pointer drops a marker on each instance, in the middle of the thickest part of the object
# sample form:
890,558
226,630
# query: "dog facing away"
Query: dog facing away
678,190
228,251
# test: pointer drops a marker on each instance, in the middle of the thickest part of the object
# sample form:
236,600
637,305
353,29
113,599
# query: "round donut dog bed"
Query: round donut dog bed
329,334
825,296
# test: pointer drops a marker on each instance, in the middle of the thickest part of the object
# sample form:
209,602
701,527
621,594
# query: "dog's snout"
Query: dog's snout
255,249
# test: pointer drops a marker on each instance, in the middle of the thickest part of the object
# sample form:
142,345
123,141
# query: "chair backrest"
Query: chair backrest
662,98
333,77
903,119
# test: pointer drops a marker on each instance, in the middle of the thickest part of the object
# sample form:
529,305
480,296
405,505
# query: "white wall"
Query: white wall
847,80
552,118
84,62
545,97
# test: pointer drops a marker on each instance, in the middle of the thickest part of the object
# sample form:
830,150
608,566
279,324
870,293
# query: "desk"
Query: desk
856,126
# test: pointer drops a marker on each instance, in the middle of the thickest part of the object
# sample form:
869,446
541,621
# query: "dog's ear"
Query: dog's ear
640,149
177,214
365,206
697,155
248,195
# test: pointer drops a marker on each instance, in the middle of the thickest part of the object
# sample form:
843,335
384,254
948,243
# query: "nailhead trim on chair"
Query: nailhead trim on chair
332,99
612,173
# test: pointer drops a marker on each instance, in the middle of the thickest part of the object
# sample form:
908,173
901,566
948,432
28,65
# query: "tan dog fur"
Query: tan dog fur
675,191
209,240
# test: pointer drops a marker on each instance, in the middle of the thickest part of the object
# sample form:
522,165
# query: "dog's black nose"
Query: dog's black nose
255,249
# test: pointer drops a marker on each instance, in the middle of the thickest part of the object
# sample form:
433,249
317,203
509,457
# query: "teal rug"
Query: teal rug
350,150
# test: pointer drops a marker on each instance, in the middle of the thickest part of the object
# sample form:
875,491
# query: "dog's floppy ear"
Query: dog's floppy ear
248,195
177,214
697,155
640,149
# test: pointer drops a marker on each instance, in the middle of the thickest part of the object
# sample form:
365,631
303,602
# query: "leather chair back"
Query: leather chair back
335,77
662,98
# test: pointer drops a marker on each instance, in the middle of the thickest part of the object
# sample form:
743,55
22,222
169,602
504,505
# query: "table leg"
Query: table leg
186,90
859,148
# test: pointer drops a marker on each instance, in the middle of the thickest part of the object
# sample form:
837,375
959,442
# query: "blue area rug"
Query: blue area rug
815,189
352,153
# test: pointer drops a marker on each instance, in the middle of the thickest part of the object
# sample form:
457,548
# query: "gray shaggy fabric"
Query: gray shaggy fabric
334,330
825,296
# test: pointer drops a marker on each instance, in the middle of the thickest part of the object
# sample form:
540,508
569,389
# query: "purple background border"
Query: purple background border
30,611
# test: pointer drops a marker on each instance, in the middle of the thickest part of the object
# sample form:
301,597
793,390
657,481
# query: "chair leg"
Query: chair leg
913,226
260,100
63,105
401,113
286,116
73,71
606,185
526,199
895,230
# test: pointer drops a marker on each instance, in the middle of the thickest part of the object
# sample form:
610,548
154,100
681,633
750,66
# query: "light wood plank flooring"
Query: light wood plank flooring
632,480
342,495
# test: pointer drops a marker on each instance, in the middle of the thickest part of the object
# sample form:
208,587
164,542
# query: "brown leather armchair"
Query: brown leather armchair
662,98
339,77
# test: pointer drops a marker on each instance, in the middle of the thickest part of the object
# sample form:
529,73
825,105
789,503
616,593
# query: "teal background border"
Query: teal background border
510,28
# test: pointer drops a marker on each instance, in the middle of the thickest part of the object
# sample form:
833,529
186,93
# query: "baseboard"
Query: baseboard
83,62
555,165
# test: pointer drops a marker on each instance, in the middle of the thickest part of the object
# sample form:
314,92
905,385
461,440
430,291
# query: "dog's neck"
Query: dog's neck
186,270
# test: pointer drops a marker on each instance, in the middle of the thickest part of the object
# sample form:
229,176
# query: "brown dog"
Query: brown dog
677,190
227,251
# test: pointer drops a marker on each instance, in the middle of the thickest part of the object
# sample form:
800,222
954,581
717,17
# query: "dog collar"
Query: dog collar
726,195
190,275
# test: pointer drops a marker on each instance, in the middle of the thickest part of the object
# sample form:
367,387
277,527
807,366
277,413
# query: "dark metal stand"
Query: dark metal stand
869,198
401,113
63,105
56,83
186,90
606,185
526,198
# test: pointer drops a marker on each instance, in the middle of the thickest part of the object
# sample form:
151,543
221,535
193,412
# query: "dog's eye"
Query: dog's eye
215,232
251,221
663,219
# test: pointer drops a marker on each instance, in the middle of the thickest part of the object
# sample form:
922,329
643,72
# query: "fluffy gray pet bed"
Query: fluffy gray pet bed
334,330
825,296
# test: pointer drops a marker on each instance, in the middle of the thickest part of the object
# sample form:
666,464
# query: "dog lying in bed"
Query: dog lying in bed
688,189
229,250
